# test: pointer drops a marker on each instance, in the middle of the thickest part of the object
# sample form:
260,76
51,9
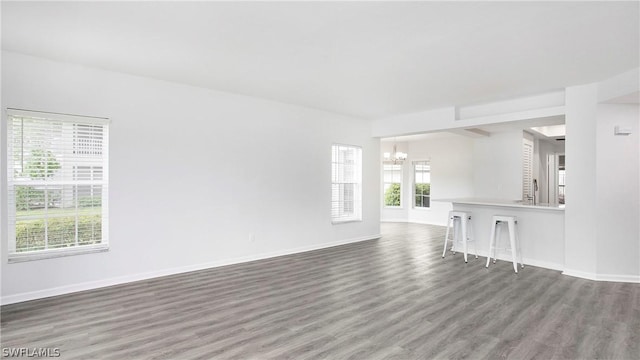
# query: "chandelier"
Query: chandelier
396,156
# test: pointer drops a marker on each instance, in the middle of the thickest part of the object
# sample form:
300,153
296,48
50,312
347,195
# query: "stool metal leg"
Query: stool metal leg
519,246
456,233
492,240
469,228
497,240
446,237
512,241
463,222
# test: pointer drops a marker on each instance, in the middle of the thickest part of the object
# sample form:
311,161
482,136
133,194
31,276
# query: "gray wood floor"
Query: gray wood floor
393,298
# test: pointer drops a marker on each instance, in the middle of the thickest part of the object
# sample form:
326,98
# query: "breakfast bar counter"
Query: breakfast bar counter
503,203
540,228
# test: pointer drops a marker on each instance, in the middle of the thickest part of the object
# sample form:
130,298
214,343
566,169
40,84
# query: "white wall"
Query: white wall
519,105
618,210
194,172
581,222
451,161
497,166
602,238
621,85
413,123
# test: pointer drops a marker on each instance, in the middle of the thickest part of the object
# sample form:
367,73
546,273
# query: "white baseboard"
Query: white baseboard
579,274
412,222
568,272
425,222
619,278
33,295
526,261
543,264
603,277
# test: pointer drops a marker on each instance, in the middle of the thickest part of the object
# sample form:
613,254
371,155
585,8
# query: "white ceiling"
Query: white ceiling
370,59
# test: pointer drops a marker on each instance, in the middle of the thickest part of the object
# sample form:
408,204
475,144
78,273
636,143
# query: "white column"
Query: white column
581,220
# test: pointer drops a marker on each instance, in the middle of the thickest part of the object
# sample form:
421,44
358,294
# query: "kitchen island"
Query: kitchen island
540,229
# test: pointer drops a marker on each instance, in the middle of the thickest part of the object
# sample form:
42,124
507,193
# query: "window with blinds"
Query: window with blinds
392,184
57,184
346,183
422,184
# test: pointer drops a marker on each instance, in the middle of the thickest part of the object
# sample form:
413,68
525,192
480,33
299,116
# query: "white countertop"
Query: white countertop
503,203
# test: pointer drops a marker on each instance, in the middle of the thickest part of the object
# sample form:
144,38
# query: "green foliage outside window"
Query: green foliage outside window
392,195
422,195
30,234
41,164
60,231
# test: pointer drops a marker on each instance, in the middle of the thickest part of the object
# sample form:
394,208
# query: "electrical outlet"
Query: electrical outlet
252,237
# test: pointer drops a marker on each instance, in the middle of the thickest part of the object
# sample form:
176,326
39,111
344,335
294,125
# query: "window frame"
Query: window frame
414,183
356,216
384,183
68,164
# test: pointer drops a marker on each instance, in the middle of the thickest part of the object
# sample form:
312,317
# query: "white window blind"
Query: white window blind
422,184
562,174
57,184
346,183
392,184
527,169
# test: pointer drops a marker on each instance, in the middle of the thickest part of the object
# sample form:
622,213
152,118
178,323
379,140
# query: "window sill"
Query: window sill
393,207
54,253
422,208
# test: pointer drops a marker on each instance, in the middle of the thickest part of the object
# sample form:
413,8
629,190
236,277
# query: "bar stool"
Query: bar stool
460,221
514,242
